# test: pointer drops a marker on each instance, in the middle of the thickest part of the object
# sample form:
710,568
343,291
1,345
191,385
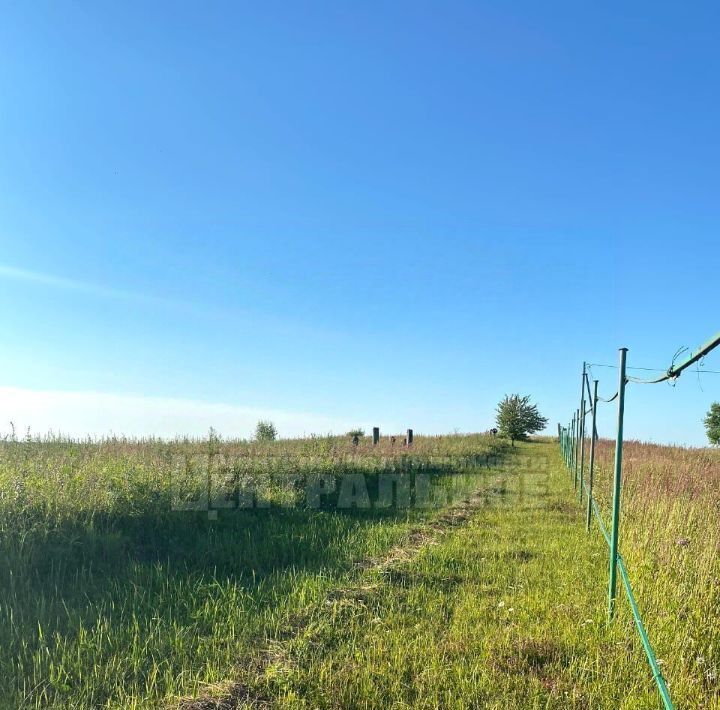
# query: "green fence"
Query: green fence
573,446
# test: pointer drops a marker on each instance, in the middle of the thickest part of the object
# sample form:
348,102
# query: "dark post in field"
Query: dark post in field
376,435
612,590
592,456
409,437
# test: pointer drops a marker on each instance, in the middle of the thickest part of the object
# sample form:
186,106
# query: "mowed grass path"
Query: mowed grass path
506,610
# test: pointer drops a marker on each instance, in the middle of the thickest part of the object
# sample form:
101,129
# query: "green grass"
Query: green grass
109,598
507,610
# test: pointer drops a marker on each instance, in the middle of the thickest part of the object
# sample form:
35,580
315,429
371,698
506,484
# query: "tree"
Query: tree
356,432
517,418
712,424
265,431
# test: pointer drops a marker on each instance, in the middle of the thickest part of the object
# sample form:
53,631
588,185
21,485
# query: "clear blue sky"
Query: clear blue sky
362,212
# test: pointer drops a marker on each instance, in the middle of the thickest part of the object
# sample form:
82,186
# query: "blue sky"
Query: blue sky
354,213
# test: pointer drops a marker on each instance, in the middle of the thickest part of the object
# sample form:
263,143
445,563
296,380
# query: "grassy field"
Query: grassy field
670,539
111,596
489,594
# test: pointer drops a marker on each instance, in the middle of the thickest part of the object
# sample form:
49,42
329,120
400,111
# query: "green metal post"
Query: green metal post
567,445
582,433
568,439
566,434
582,454
572,445
576,443
576,446
612,590
592,456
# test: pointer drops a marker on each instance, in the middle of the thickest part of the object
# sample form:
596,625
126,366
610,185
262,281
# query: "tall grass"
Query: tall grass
670,539
112,597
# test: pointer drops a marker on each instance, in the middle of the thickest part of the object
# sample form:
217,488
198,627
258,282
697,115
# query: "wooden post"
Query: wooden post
409,437
376,435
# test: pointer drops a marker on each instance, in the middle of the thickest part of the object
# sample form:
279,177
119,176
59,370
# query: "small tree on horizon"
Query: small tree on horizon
265,431
712,424
517,418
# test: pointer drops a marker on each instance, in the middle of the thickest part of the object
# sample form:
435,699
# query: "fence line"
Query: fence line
572,445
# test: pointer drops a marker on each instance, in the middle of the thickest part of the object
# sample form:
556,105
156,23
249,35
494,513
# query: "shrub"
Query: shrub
265,431
517,418
712,424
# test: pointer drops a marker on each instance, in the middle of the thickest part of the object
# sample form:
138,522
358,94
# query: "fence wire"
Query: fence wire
572,444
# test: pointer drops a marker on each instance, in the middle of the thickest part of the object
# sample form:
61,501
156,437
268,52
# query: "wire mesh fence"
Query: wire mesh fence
576,451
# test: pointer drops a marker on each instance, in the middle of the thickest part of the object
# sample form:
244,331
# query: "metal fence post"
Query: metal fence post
581,433
575,443
576,447
592,456
581,465
572,445
612,590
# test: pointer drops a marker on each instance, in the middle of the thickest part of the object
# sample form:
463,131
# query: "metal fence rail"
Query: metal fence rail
572,444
